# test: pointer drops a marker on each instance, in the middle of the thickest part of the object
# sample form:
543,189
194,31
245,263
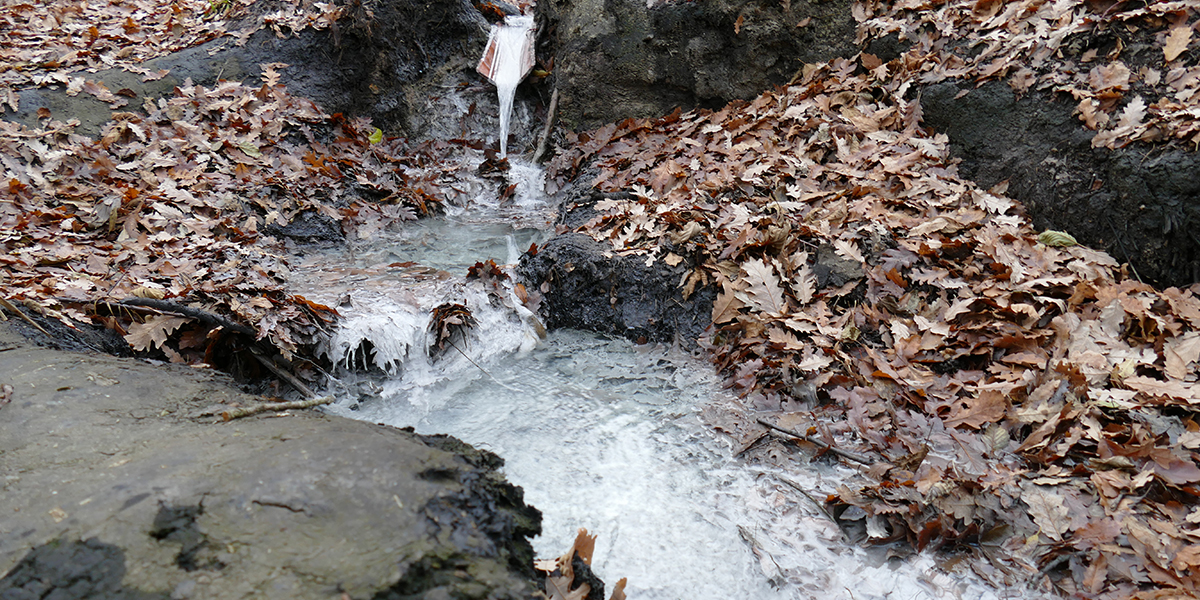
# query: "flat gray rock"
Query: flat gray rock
117,481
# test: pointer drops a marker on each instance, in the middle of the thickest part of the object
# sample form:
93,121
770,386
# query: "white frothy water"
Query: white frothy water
606,435
511,41
600,433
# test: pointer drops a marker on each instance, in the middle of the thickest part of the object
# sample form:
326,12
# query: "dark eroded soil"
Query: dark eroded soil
587,287
621,58
1139,203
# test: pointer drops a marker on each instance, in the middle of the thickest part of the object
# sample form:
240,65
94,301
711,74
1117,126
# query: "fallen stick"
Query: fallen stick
237,413
544,140
8,305
858,458
187,311
284,375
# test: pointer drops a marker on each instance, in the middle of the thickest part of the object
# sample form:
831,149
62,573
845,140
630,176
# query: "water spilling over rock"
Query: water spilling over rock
506,61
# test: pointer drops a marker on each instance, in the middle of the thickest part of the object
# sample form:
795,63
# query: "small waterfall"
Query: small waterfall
506,61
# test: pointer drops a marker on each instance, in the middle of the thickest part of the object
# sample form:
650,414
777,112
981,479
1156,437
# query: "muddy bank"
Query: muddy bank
631,58
121,482
1138,203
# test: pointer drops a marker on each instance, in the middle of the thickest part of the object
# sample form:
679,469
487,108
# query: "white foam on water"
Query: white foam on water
606,435
600,433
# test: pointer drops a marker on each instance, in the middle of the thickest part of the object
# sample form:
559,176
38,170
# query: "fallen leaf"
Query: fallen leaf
1180,352
1057,239
1048,512
988,407
1177,42
763,292
154,332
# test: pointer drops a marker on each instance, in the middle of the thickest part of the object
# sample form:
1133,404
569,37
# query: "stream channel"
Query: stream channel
600,433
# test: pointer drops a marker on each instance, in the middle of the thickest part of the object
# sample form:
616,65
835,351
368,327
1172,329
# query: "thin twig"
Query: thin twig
481,369
237,413
8,305
858,458
284,375
544,140
820,506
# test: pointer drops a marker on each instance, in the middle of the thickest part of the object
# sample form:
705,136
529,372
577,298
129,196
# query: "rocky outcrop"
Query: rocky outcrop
616,59
119,482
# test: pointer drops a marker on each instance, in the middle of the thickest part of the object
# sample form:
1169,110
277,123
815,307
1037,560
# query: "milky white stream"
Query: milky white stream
599,432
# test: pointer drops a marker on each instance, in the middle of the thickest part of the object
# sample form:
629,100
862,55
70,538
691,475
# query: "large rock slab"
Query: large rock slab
118,482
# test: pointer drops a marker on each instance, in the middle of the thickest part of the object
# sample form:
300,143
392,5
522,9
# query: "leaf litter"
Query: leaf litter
187,201
48,43
1023,398
1133,68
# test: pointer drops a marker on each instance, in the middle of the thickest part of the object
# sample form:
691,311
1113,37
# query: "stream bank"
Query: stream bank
882,270
119,482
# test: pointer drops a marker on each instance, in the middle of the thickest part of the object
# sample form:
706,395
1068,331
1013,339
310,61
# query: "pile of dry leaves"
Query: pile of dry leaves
52,43
187,203
1127,64
1020,394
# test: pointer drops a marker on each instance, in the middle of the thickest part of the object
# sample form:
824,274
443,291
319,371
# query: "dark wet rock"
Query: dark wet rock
72,570
620,58
307,227
1140,203
583,574
833,269
587,286
119,468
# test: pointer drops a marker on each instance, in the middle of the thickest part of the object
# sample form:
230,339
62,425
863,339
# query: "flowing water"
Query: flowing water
599,432
512,45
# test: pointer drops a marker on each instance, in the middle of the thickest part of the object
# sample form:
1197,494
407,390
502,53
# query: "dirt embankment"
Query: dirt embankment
1051,112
